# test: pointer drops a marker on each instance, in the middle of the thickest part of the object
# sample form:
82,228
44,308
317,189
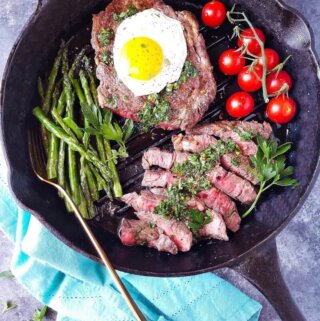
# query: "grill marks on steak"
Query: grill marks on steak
189,102
136,232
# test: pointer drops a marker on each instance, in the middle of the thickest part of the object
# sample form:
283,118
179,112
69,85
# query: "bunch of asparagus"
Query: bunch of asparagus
76,133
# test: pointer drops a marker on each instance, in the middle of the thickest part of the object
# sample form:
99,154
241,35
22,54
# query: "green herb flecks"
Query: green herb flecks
40,314
156,109
106,57
106,36
191,181
245,135
270,168
235,161
112,101
8,306
125,14
6,275
188,71
200,163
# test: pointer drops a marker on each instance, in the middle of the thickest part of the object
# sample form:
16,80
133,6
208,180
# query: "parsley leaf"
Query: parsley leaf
40,314
6,275
8,306
125,14
270,167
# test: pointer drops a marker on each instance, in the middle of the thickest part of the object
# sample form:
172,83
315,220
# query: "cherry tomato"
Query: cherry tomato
231,62
275,82
214,13
272,59
240,104
281,109
247,37
250,80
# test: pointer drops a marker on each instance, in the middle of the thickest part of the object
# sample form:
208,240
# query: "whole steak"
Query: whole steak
188,103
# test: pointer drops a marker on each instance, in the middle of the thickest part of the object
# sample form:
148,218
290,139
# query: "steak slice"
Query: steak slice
176,230
221,203
216,229
264,129
146,201
189,102
238,164
158,178
192,143
224,131
233,185
156,157
137,232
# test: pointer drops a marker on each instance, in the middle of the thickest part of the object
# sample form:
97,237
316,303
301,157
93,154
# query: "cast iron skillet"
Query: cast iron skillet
286,32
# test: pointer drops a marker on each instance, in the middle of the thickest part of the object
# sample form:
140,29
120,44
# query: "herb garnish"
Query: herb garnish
106,57
156,109
113,101
245,135
6,275
106,36
8,306
270,167
191,181
40,314
188,71
125,14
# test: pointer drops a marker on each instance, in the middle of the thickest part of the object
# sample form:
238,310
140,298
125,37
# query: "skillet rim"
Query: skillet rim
314,56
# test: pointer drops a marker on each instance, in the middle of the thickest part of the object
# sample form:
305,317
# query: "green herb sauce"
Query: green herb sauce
192,180
106,57
245,135
106,36
188,71
156,109
125,14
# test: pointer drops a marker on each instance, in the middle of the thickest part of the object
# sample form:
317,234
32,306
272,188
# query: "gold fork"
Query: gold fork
37,157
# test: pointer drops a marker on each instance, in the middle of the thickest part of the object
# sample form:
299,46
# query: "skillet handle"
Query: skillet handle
262,270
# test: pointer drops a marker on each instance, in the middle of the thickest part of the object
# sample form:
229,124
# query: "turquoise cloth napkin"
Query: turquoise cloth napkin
81,289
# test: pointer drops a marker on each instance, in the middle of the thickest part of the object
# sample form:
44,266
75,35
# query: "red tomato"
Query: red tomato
275,82
272,59
213,13
247,37
250,80
240,104
281,109
231,62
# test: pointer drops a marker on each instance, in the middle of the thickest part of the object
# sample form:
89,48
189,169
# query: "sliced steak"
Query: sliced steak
146,201
233,185
137,232
216,229
240,165
192,143
158,178
224,131
176,230
189,102
156,157
221,203
264,129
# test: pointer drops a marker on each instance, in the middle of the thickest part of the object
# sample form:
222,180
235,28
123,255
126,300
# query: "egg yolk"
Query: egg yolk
144,58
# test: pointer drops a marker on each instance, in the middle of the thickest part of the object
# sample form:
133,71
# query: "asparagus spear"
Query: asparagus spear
85,188
71,141
40,89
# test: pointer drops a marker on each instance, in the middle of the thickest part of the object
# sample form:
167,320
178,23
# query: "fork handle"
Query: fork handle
132,305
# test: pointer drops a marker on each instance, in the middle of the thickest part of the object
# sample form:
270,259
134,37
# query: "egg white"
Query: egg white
168,33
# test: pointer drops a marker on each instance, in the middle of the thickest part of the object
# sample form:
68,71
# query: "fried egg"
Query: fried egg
149,51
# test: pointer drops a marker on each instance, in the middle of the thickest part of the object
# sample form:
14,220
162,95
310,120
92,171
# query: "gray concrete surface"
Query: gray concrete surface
298,244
